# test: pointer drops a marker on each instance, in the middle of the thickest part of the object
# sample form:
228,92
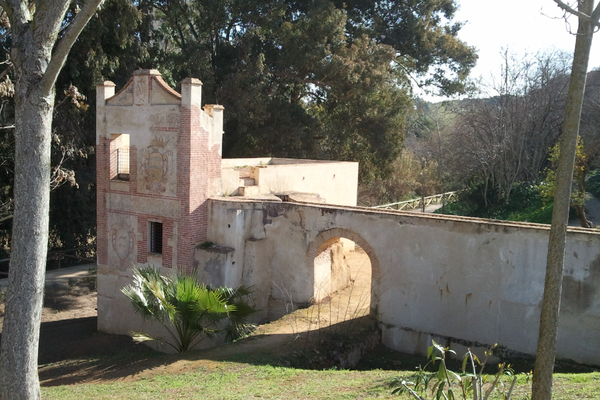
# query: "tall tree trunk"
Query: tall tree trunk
29,243
37,56
24,298
580,207
581,217
546,349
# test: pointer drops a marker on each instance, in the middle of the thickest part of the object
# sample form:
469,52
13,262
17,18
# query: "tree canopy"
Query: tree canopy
316,79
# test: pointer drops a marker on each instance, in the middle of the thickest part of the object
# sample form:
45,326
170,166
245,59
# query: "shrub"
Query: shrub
526,204
189,310
444,383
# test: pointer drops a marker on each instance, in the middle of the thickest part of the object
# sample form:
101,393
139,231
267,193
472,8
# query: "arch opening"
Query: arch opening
345,274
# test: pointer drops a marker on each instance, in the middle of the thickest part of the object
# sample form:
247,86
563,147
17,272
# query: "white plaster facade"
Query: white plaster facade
462,280
330,182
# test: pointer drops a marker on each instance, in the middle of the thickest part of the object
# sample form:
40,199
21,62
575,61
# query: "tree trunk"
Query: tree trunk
546,349
580,208
581,217
37,56
29,243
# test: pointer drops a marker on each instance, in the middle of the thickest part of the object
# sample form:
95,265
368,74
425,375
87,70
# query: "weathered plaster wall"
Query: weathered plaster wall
475,280
336,182
174,165
451,278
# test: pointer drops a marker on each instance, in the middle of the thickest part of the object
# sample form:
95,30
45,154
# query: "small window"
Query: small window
155,230
119,157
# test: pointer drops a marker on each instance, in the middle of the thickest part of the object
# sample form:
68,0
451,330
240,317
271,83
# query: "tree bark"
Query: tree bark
37,57
546,349
29,246
582,218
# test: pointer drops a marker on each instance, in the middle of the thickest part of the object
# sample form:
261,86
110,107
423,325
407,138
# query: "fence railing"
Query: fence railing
421,202
56,257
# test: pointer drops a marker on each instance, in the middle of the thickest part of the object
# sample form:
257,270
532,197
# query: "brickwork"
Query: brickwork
142,256
193,175
133,170
102,179
168,141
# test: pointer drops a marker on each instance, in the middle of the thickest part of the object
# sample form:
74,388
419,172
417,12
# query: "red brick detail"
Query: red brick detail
167,250
133,171
150,81
197,167
142,245
102,182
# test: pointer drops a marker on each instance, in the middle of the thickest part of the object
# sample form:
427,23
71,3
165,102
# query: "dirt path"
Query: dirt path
72,351
291,334
70,294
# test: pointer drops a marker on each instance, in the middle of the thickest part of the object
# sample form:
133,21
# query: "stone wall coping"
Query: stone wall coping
416,216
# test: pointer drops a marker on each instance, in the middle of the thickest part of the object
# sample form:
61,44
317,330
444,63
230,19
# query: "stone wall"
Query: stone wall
335,182
462,280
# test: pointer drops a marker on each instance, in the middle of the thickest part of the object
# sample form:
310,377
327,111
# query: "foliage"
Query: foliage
526,204
579,174
189,311
578,191
449,385
504,138
333,76
316,79
421,32
593,183
410,177
113,45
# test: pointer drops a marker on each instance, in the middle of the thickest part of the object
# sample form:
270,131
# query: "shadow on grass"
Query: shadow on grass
72,351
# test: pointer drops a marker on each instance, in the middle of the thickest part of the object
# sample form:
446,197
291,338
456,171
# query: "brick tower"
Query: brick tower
158,160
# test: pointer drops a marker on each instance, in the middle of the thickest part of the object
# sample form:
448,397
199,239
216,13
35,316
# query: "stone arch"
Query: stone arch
330,235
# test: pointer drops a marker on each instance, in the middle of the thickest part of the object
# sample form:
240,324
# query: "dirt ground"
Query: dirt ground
69,320
73,351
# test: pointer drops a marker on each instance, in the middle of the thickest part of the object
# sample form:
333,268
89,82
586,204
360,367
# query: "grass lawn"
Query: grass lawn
260,377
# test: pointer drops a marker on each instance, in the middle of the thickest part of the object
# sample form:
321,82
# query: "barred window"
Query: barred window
155,230
119,157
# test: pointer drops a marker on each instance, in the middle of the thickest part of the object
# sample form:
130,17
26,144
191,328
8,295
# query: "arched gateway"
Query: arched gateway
318,261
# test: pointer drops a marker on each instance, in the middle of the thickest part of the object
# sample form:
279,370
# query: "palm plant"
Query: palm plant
190,311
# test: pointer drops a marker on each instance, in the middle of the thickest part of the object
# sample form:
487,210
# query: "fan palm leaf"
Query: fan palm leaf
189,311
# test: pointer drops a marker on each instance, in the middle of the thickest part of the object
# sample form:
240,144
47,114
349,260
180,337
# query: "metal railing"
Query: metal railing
421,202
56,257
119,160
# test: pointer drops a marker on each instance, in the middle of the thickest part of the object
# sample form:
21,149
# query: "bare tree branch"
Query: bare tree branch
64,46
593,18
6,71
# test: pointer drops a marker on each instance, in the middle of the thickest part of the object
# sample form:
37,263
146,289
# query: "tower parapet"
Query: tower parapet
158,161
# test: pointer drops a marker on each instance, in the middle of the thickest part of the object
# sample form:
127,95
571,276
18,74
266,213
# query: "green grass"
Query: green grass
237,380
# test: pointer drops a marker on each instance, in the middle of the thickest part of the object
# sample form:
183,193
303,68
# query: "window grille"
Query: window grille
155,237
121,162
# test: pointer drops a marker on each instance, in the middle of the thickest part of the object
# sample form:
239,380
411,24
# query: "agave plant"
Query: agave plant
190,311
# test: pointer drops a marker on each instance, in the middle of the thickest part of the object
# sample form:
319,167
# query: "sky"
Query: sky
522,26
